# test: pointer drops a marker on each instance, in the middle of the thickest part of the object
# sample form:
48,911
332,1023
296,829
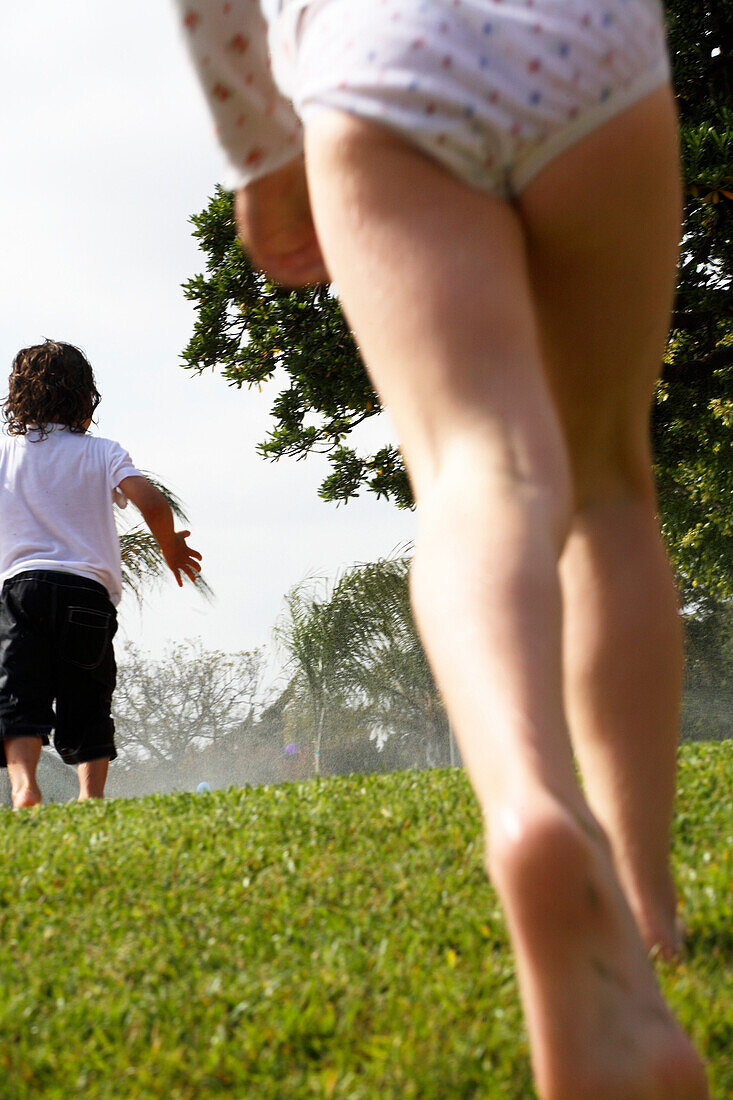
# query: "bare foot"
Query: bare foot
598,1026
655,913
651,896
25,797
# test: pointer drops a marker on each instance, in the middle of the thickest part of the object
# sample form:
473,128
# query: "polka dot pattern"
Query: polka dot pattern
253,121
492,88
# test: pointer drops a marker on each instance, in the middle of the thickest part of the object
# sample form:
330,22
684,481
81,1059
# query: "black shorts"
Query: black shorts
56,632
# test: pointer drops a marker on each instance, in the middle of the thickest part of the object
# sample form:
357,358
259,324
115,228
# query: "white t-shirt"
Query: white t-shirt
56,505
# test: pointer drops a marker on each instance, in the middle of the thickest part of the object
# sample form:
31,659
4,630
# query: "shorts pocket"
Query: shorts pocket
85,636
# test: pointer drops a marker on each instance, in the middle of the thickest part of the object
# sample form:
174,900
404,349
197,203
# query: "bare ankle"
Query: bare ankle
661,930
653,902
523,829
25,797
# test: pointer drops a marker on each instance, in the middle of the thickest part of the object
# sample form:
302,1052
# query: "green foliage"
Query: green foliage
257,333
693,417
384,666
347,745
327,939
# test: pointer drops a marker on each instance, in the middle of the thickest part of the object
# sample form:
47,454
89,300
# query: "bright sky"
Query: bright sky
108,150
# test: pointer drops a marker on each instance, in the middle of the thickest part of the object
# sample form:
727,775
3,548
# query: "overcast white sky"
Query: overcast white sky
108,150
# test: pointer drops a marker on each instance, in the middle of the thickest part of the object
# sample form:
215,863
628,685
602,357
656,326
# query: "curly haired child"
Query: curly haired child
60,569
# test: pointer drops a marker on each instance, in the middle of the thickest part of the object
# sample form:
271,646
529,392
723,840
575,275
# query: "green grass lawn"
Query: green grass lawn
326,939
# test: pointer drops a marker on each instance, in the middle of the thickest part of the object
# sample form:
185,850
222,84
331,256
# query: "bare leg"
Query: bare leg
623,646
22,755
434,280
92,778
603,339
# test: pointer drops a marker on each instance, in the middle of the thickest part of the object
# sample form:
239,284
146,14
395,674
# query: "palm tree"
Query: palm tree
310,633
386,666
357,647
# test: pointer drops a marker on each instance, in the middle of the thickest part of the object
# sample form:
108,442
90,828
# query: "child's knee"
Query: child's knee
479,525
620,471
506,477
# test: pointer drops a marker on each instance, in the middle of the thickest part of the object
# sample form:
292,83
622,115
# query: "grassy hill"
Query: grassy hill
332,939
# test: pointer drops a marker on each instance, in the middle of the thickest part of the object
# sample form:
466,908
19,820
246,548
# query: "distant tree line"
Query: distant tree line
356,663
171,711
355,695
707,713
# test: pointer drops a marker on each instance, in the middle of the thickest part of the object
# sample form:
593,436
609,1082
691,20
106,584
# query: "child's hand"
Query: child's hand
276,228
180,558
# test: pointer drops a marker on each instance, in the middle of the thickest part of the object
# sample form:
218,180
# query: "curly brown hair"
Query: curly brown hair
50,383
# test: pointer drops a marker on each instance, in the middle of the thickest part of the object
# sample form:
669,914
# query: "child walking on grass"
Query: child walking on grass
60,569
493,185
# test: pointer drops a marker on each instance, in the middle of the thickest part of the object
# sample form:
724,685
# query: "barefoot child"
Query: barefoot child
60,569
479,178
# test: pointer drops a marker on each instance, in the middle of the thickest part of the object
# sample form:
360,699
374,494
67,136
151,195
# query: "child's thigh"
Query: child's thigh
433,277
602,224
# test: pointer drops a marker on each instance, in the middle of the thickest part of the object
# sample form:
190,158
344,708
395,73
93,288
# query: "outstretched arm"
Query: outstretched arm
157,513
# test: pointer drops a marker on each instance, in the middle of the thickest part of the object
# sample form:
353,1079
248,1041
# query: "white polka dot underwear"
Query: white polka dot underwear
493,89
